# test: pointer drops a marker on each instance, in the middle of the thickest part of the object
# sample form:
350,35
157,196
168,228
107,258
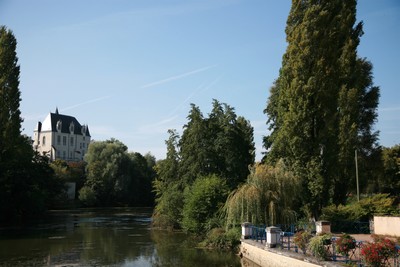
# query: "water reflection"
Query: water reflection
117,237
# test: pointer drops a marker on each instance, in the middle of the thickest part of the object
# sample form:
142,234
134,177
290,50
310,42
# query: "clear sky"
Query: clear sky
130,68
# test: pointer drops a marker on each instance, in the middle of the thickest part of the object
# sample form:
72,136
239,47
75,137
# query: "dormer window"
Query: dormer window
83,129
59,125
71,128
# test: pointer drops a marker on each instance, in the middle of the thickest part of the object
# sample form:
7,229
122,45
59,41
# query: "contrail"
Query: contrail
201,88
176,77
86,102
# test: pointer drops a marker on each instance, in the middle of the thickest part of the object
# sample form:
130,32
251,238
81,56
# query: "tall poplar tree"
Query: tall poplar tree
10,96
27,184
323,104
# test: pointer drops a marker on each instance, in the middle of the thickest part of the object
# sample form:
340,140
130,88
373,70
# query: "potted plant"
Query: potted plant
326,239
344,244
301,240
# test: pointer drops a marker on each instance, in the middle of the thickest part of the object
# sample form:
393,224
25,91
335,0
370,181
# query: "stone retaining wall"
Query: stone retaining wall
264,257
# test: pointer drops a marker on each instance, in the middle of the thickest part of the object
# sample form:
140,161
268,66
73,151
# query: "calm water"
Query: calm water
115,237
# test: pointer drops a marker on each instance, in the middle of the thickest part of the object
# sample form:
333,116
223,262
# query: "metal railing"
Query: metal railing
258,234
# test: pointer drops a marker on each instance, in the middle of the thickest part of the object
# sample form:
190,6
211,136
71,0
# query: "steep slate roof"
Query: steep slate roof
50,124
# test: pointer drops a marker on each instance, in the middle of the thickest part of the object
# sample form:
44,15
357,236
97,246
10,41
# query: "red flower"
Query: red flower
376,253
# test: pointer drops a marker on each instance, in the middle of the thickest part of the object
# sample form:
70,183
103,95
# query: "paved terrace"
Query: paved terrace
302,259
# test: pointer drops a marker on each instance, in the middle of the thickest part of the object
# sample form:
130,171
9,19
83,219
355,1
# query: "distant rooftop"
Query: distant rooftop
51,121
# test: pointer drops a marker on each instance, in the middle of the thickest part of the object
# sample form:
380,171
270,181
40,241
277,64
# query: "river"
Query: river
106,237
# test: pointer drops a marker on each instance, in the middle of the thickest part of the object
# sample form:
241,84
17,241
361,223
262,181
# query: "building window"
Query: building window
83,129
44,140
64,140
71,127
83,145
59,125
70,155
72,141
58,140
58,154
64,155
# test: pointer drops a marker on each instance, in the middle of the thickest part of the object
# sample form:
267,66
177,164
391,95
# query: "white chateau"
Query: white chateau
61,137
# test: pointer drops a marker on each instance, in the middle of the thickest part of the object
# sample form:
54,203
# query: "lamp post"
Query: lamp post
358,190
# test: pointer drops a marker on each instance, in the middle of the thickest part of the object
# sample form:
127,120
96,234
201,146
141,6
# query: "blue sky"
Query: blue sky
130,69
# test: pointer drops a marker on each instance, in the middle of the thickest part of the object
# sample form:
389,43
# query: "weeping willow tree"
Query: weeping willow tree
267,197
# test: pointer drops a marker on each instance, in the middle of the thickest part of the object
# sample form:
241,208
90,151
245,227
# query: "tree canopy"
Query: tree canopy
27,183
220,145
322,107
268,197
116,177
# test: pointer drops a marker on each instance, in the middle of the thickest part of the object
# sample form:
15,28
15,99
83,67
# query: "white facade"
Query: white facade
61,137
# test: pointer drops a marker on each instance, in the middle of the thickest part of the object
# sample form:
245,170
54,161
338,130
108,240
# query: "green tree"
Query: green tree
77,173
203,200
269,196
194,147
220,144
168,169
168,187
323,105
142,176
389,182
70,171
10,96
27,184
231,144
116,177
107,164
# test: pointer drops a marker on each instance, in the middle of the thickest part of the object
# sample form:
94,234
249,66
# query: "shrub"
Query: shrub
301,240
344,244
87,196
201,203
381,204
221,239
376,253
167,213
317,246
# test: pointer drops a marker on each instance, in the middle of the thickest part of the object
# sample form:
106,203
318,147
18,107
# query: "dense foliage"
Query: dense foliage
302,239
222,239
364,210
322,107
389,181
317,247
377,253
27,183
116,177
212,157
203,200
267,197
345,244
221,144
72,171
